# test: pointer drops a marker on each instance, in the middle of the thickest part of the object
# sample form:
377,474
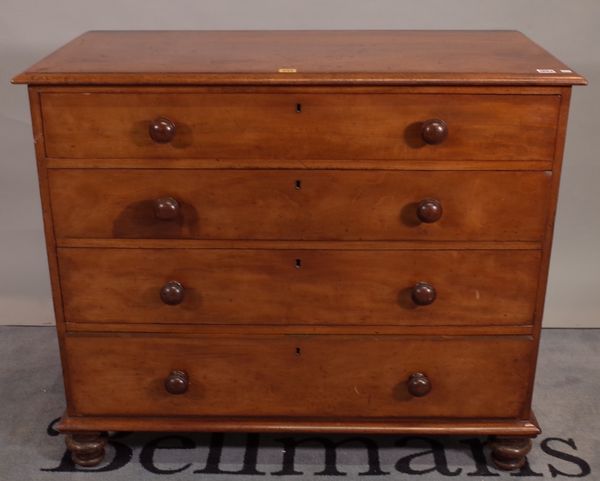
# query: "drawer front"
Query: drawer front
297,287
299,205
335,376
298,126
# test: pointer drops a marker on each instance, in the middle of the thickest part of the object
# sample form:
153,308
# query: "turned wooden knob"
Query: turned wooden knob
166,208
172,293
161,130
423,294
429,210
419,384
434,131
177,382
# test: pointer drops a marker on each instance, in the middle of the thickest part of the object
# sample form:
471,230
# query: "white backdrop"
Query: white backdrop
570,29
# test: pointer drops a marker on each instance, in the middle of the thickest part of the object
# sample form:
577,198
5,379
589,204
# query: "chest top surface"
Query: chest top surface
279,57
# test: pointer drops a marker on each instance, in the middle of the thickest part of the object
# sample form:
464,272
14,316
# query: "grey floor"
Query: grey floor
31,399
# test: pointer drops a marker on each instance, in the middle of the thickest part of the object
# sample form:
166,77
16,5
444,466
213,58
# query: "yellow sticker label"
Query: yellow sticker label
287,70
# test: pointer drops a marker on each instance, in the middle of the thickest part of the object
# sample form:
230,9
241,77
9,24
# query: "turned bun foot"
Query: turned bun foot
87,449
509,453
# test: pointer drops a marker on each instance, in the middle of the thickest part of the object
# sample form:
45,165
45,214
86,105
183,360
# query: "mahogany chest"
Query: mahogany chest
332,231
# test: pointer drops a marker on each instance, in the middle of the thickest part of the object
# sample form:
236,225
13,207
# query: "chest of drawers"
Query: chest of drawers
299,231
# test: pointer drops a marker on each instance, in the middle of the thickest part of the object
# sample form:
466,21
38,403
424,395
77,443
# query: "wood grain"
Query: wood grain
329,126
299,205
235,214
300,376
300,164
423,426
49,237
242,329
316,57
551,216
298,245
267,287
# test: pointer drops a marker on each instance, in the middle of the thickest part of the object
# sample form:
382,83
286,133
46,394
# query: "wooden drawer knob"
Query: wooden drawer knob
429,210
423,294
434,131
166,208
177,382
419,384
172,293
161,130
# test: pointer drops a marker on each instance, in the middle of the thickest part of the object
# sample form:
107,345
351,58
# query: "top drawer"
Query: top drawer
317,126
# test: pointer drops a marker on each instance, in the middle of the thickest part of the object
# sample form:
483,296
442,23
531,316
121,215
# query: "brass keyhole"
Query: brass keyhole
298,184
298,263
299,108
